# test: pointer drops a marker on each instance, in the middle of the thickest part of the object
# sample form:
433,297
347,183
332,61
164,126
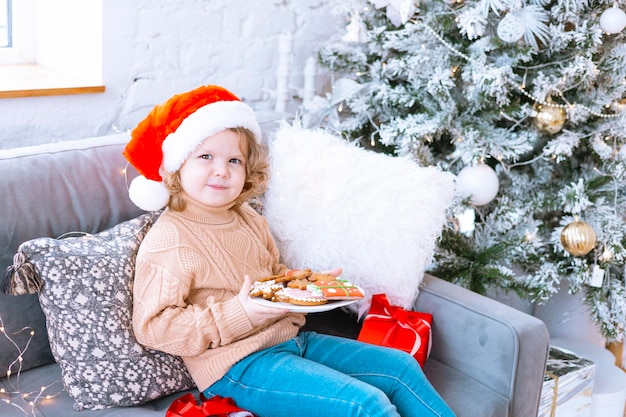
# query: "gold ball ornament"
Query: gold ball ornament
578,238
549,119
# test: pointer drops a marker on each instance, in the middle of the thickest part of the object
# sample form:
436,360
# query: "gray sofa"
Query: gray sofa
487,359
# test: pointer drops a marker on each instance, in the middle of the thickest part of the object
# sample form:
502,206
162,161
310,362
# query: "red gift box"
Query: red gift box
395,327
187,406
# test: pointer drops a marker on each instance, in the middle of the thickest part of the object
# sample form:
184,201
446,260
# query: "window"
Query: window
43,53
5,24
17,32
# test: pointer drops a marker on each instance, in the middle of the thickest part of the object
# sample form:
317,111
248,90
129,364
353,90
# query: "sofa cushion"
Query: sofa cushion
456,388
23,338
87,299
332,204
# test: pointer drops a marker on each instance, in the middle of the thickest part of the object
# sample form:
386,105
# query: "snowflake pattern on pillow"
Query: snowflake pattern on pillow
87,300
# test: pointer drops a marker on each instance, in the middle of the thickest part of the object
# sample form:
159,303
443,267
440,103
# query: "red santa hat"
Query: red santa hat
173,130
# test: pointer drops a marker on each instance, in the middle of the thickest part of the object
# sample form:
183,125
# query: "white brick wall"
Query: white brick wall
153,49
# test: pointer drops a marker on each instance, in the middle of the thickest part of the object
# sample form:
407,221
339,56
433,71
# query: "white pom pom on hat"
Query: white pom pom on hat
147,194
173,130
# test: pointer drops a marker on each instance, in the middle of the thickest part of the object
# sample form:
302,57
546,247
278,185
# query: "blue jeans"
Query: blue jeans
320,375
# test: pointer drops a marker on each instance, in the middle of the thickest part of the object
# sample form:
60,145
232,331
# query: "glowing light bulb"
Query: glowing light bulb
607,255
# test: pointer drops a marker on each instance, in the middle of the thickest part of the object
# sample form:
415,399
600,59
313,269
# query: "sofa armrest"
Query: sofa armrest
491,343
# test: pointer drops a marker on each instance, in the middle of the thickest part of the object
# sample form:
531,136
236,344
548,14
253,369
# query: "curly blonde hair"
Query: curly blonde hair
257,173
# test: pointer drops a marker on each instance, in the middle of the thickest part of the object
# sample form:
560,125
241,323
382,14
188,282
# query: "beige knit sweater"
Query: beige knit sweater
189,270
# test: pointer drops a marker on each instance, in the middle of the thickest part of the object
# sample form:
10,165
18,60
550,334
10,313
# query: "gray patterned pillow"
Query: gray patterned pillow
86,295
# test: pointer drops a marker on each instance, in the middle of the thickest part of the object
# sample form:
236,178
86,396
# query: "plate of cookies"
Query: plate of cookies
305,291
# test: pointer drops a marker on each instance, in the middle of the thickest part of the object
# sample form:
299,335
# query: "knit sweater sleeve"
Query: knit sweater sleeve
164,318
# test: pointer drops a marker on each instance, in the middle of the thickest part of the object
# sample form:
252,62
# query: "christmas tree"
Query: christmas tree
524,100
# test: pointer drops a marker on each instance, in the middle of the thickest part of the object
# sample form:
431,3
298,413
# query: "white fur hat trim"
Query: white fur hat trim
203,123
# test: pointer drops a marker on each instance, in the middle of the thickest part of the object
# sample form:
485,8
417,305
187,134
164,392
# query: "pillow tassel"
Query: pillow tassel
21,278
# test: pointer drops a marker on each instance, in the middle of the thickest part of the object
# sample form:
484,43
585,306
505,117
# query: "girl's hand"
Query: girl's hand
334,272
258,314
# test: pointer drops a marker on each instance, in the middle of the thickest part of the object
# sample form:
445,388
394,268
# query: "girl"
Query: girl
200,154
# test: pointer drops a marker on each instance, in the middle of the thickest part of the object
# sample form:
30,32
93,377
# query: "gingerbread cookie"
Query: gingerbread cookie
265,289
300,297
336,289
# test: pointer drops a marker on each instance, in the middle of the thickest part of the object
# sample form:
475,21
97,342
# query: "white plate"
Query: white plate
331,305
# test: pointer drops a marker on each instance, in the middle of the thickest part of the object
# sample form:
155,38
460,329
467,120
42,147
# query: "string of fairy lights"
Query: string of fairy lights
13,395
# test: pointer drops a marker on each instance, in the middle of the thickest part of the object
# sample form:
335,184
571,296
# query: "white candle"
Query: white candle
282,74
310,70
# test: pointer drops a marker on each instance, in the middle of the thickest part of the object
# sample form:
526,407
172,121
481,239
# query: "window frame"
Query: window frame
7,12
23,34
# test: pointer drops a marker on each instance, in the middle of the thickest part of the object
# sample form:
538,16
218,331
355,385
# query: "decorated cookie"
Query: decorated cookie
300,297
335,289
265,289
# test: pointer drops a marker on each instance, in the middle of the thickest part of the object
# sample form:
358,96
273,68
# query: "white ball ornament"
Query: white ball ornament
511,28
479,182
613,20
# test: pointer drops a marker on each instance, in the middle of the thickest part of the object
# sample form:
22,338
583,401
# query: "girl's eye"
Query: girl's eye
235,161
206,156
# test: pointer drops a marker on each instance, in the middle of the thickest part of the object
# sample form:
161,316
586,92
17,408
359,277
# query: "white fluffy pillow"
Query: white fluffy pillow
332,204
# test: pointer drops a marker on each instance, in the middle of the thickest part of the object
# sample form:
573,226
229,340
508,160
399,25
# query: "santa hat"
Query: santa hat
173,130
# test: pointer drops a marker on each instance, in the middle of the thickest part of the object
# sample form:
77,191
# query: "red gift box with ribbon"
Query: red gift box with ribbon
395,327
187,406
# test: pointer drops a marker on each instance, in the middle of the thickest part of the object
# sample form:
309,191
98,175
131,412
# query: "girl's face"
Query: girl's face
215,173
